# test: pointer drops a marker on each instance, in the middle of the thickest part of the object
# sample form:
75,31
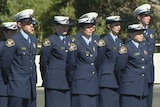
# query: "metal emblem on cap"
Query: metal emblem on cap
10,43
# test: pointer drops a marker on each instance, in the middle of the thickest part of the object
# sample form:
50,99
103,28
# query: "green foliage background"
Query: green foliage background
46,9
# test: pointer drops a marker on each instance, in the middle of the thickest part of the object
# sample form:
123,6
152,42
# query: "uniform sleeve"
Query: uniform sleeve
44,58
9,51
121,62
71,64
101,51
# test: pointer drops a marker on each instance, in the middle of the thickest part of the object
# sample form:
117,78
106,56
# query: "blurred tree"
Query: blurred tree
46,10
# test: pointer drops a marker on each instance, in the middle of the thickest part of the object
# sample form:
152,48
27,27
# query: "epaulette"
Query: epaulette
101,43
72,47
122,50
46,42
10,43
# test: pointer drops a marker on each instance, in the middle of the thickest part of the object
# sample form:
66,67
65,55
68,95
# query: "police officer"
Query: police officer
8,29
132,64
20,50
105,63
53,63
143,14
85,85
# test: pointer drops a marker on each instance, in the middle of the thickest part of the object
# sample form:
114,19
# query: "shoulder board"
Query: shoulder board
122,50
72,47
10,43
101,43
46,42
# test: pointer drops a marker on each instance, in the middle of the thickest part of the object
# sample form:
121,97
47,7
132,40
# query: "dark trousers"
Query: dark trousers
21,102
3,101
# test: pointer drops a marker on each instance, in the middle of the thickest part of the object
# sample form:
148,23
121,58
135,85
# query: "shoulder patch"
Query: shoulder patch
122,50
72,47
46,42
10,43
101,43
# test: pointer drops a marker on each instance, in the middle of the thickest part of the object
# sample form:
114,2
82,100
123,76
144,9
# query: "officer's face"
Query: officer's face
88,30
144,19
115,27
62,29
137,36
27,27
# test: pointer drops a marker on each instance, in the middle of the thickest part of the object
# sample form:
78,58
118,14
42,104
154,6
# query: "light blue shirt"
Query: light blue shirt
113,36
60,36
87,40
25,35
135,43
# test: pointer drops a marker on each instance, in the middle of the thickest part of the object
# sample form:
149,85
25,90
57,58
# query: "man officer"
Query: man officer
143,14
20,50
7,30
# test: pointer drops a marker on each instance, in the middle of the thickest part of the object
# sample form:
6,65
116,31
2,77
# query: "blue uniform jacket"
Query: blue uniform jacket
150,40
84,74
3,85
106,60
131,68
18,62
53,62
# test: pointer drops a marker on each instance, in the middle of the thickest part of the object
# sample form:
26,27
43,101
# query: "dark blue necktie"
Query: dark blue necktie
117,42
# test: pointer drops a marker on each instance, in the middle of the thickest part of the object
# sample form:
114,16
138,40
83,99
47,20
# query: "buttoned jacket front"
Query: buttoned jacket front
19,64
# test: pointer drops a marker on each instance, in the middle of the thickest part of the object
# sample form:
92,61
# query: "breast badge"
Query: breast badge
123,50
46,42
145,52
10,43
